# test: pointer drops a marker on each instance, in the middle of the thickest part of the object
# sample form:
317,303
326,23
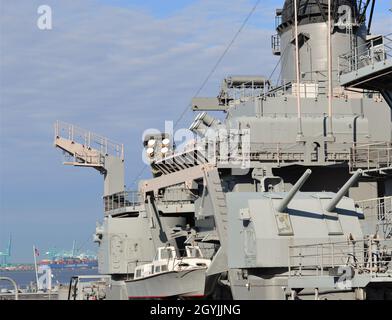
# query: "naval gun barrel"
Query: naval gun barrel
343,190
207,119
198,127
290,195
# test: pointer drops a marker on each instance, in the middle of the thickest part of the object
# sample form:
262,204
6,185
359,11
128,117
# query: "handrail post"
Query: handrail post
339,67
378,158
372,52
333,255
56,129
354,154
371,256
300,262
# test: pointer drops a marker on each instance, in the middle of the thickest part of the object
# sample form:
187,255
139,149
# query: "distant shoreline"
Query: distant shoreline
31,268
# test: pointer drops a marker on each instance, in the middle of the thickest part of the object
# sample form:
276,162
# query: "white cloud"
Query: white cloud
103,61
114,70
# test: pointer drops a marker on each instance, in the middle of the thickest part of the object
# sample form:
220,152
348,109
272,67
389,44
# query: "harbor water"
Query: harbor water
60,276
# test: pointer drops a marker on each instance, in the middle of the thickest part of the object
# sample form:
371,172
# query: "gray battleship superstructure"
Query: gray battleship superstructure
289,196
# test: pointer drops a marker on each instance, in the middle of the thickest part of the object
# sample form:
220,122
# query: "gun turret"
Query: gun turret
332,204
290,195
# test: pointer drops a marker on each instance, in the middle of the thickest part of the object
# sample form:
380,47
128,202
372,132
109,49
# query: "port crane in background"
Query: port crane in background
53,253
6,254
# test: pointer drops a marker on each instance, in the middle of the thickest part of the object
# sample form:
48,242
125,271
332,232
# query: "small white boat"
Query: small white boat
169,275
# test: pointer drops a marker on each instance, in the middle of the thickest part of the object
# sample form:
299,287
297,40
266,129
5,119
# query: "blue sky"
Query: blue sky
157,8
117,68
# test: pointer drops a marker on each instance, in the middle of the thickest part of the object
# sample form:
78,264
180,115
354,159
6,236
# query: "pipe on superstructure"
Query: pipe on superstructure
299,119
290,195
329,46
343,190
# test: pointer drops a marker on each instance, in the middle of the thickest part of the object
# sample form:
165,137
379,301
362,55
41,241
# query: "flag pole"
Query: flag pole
35,265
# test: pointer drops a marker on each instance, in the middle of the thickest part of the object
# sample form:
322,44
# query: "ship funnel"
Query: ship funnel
290,195
343,190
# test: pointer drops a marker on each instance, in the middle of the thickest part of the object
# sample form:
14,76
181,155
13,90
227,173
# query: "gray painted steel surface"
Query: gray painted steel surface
241,208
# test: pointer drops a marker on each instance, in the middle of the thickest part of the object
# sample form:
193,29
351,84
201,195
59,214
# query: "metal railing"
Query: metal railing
121,200
133,199
88,287
375,156
290,152
376,50
88,139
275,44
311,89
246,91
16,292
180,195
381,210
371,256
97,159
278,152
371,156
379,207
244,152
